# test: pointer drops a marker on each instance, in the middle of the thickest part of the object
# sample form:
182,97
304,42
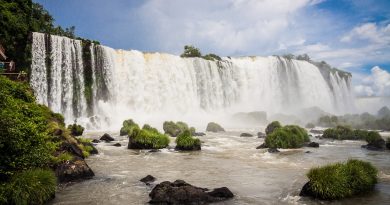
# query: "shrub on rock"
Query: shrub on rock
128,127
345,133
289,136
185,141
147,138
340,180
76,130
214,127
272,126
174,129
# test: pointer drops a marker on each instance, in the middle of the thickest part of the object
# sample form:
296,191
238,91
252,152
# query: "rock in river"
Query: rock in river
180,192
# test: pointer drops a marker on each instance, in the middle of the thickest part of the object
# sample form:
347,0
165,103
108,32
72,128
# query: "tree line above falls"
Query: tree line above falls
18,18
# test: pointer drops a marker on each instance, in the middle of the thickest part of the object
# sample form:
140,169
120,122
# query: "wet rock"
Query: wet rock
73,171
194,147
106,137
307,152
214,127
306,190
72,148
377,145
154,150
313,144
96,141
148,179
262,146
117,144
261,135
58,132
180,192
388,144
246,135
273,150
198,134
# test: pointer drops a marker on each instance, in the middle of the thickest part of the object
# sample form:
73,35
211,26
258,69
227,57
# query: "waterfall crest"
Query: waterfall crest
101,86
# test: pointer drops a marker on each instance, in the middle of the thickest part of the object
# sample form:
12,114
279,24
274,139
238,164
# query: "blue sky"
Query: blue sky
353,35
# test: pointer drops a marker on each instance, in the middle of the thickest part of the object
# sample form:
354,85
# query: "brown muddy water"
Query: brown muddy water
254,176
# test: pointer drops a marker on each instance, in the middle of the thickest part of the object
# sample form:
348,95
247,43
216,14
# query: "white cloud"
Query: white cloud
375,84
370,32
225,27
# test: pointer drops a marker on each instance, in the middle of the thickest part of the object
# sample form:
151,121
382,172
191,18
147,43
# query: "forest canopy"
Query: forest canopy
18,18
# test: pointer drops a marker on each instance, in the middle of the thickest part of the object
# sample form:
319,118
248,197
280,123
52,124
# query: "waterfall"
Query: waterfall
135,84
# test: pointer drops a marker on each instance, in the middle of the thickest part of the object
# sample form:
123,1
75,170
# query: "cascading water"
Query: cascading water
148,86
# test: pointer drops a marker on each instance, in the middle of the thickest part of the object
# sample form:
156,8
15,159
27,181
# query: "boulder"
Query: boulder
96,141
306,190
214,127
198,134
180,192
107,138
313,144
148,179
117,144
73,171
262,146
194,147
71,148
261,135
273,150
272,126
246,135
388,143
376,145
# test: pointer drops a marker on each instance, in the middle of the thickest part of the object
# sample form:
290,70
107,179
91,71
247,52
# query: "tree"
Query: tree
190,51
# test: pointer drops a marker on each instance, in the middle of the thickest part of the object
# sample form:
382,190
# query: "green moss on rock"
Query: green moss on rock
147,138
185,141
289,136
272,126
128,127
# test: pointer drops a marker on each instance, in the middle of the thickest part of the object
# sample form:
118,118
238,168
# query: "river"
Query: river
226,159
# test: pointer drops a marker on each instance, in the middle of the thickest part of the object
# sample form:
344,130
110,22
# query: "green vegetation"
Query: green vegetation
289,136
174,129
18,19
214,127
272,126
35,186
185,141
24,139
380,121
192,52
342,180
346,133
212,57
147,138
76,130
31,140
63,157
128,127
